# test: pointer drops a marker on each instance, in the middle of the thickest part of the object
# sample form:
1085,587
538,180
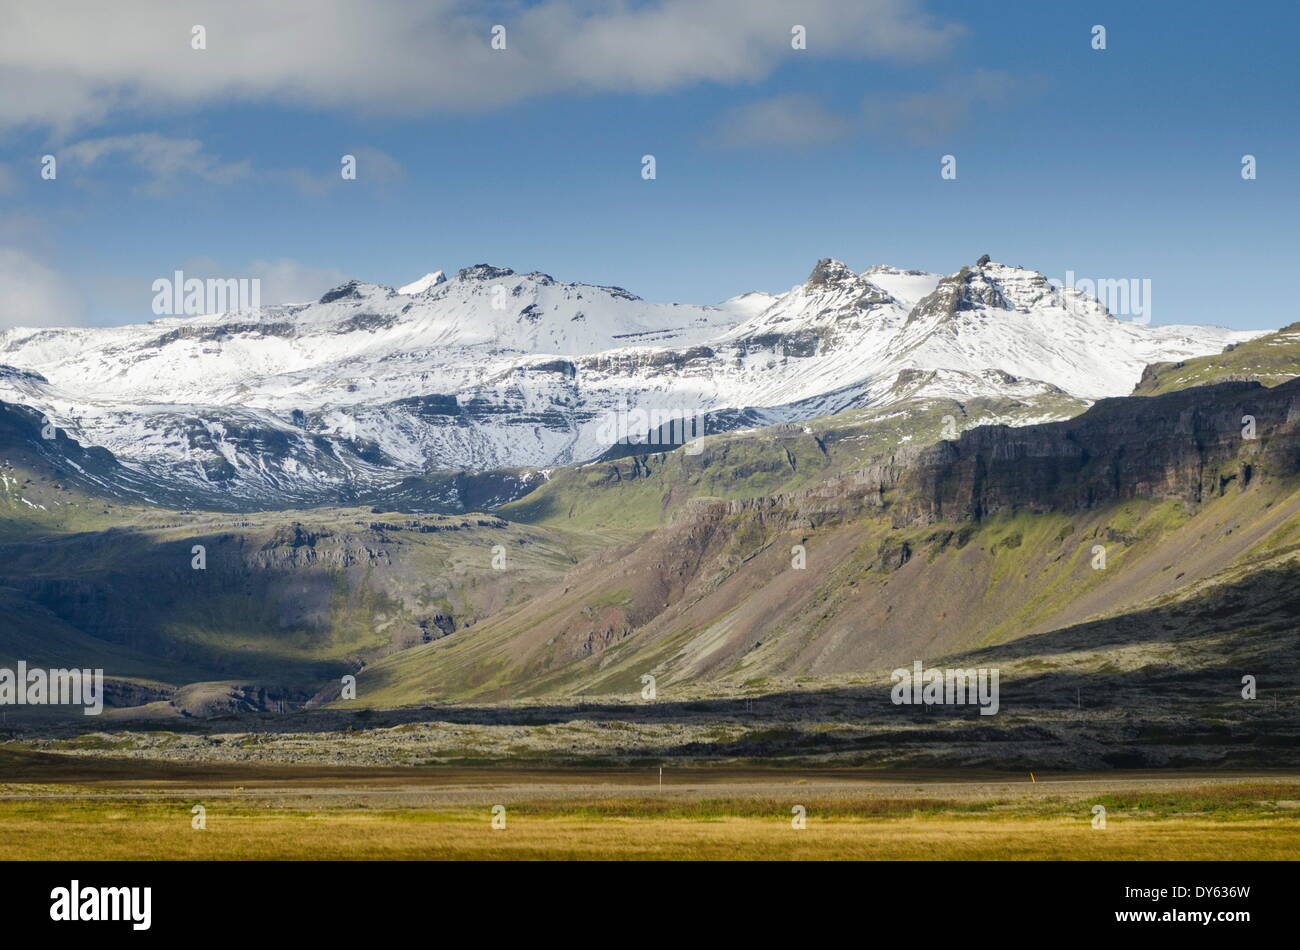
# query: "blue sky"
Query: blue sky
1122,163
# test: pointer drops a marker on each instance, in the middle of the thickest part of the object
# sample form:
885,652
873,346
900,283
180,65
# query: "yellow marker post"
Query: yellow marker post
1032,779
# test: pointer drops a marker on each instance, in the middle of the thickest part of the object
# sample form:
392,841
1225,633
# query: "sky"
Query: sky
1115,163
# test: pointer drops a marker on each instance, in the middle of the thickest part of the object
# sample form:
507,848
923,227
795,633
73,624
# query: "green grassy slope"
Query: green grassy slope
721,603
638,493
35,502
1270,359
611,570
962,545
297,597
91,578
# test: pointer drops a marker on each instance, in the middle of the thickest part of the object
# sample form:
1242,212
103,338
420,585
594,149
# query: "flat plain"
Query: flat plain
91,809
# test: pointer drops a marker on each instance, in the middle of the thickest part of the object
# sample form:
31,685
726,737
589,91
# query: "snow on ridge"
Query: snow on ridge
490,368
431,279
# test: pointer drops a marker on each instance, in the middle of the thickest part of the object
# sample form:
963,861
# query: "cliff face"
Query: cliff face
983,539
1191,446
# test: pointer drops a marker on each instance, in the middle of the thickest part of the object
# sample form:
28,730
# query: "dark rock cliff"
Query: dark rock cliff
1188,445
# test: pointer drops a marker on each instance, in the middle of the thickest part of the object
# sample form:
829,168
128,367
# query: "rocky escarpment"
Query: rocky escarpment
1189,445
31,440
296,601
983,539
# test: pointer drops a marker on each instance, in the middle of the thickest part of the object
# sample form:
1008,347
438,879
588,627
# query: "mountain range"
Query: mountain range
399,396
898,466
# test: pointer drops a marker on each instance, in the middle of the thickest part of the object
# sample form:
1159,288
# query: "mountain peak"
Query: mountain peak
890,269
431,279
354,290
483,272
829,271
462,376
968,289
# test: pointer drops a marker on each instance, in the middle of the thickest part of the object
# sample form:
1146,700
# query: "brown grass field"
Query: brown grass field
58,807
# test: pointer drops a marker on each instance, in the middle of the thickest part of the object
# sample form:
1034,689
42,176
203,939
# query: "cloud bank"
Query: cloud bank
96,59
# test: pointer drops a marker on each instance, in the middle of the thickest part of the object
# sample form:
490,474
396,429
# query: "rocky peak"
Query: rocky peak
968,289
838,277
829,271
484,272
355,290
351,289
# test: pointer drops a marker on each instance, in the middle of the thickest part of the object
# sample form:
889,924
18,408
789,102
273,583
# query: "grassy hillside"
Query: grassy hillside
295,599
36,500
761,563
284,603
949,548
1270,359
638,493
720,603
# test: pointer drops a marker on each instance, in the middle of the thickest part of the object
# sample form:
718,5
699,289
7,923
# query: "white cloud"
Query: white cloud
928,117
34,294
922,118
166,161
288,281
283,280
784,120
79,61
373,166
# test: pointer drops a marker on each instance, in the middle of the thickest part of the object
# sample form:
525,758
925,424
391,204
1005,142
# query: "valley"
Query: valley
1124,563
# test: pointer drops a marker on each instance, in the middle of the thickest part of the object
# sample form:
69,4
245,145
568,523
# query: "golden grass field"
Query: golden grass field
126,833
708,814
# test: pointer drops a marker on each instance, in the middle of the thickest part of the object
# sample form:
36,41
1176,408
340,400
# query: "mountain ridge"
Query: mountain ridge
325,402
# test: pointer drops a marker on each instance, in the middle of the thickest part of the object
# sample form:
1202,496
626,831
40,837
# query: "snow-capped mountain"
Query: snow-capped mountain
306,403
432,279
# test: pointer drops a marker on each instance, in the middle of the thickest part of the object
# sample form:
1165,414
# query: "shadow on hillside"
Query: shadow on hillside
251,613
1052,708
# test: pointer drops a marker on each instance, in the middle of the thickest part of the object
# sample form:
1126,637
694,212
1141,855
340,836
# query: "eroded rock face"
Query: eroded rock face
1190,446
204,700
815,582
